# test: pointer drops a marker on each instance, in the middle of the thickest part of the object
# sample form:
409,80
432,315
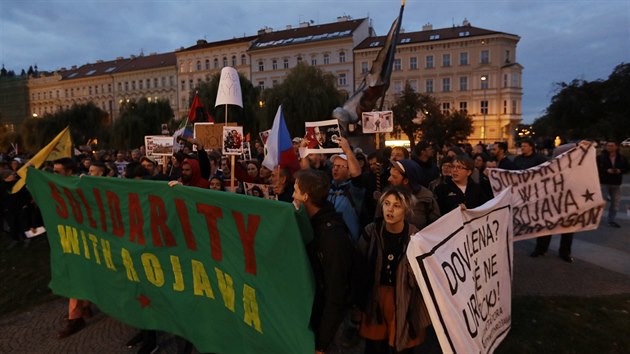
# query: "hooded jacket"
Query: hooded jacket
196,180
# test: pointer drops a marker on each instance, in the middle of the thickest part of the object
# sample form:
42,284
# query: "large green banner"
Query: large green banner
228,272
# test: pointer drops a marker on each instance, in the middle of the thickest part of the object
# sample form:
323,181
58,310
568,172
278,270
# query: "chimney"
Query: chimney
74,67
466,22
343,18
304,24
201,42
427,27
288,27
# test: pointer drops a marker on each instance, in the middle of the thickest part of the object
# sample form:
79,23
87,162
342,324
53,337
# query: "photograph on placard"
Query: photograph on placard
264,135
377,122
323,137
158,145
232,140
210,135
260,190
247,151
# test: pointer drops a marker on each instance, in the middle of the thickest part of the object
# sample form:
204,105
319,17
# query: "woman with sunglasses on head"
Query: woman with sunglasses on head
460,189
394,318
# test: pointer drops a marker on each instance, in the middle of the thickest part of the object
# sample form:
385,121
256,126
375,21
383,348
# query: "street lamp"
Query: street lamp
484,86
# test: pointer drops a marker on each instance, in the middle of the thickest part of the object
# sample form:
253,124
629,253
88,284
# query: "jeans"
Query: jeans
614,193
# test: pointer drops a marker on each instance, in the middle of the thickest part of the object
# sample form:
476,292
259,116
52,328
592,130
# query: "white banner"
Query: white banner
559,196
463,265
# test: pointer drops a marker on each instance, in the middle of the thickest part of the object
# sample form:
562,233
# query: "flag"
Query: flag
279,146
60,146
198,112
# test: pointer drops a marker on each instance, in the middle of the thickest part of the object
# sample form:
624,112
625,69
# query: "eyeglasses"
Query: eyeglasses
459,167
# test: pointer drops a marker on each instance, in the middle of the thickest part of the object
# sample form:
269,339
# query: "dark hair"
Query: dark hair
421,146
528,141
468,163
101,165
134,170
502,145
220,179
446,159
315,184
260,192
67,163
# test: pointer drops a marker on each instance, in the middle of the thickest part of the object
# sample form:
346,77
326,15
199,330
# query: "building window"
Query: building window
133,85
225,63
364,67
182,67
504,106
446,108
243,59
397,87
484,83
274,64
507,56
513,109
198,65
485,56
505,80
342,57
446,84
261,66
446,60
109,88
429,61
140,85
463,106
313,61
163,81
90,91
326,59
216,63
463,58
155,82
148,83
413,63
516,82
463,83
429,86
261,84
119,89
190,66
342,80
190,84
397,65
285,63
171,81
484,107
274,83
207,64
126,86
183,85
299,60
233,60
414,85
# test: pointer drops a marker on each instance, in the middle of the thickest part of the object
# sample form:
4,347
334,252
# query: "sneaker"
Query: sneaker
72,327
614,224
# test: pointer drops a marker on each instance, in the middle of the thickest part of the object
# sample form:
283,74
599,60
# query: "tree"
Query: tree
140,118
7,138
416,113
87,122
307,94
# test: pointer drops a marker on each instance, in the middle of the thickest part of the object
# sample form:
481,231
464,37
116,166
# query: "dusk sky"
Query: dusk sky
561,40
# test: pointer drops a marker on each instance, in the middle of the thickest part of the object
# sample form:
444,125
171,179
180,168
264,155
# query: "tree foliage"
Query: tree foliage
137,119
419,115
307,94
87,122
596,109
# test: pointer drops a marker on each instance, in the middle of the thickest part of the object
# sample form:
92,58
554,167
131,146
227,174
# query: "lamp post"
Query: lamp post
484,85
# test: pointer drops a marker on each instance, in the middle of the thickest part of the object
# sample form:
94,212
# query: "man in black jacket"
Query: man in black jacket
611,166
329,253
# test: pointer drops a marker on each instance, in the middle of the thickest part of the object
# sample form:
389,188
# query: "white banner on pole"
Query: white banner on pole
559,196
463,265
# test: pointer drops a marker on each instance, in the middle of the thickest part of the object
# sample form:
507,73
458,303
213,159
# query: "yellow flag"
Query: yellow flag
60,146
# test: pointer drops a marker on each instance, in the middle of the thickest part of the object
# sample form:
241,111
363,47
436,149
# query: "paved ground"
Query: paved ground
601,267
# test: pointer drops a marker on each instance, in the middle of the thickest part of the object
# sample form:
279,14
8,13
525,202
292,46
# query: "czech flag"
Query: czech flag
279,146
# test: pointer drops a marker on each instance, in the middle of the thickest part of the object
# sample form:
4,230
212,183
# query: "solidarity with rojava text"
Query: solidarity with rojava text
107,219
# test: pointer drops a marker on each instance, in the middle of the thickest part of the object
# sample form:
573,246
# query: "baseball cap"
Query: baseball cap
341,156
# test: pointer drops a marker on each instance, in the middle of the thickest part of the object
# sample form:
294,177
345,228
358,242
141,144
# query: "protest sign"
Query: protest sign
323,137
227,272
158,145
260,190
377,122
559,196
229,91
233,140
210,134
463,265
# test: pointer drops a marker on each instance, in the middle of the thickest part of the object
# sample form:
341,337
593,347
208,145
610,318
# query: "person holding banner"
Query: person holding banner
394,318
611,166
460,189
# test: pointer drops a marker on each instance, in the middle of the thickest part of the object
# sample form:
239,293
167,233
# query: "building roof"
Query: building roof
431,35
203,44
134,63
306,34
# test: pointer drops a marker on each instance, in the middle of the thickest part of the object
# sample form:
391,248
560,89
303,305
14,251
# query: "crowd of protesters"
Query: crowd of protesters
363,210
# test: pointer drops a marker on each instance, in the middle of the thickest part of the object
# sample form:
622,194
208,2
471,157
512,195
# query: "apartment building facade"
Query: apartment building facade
199,62
464,67
327,46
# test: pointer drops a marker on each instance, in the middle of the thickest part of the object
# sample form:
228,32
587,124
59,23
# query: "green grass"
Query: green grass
25,274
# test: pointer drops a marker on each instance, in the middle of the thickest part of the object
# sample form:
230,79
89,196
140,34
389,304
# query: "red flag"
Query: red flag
196,113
